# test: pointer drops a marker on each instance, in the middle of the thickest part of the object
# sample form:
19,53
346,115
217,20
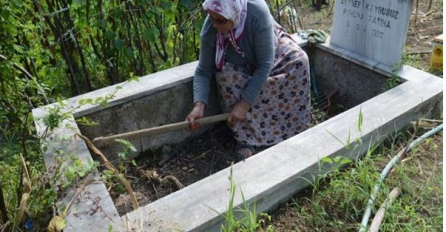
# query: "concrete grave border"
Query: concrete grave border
293,161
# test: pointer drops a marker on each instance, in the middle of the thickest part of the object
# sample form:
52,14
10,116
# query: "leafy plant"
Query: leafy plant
339,201
230,223
242,219
56,115
78,170
128,148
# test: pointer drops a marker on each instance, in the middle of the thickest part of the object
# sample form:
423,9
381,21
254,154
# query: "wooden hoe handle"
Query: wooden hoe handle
104,141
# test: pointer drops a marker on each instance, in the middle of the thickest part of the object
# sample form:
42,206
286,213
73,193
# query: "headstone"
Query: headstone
375,29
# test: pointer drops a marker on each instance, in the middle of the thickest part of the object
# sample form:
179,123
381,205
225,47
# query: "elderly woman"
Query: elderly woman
262,74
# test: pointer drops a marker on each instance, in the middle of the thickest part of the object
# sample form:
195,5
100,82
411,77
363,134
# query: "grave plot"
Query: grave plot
374,110
158,172
152,177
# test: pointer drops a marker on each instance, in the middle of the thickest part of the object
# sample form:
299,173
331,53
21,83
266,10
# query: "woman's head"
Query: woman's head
219,22
225,14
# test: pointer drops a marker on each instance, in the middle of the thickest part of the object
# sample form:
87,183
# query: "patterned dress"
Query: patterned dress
282,108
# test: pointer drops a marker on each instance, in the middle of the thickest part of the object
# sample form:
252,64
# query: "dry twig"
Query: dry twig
427,29
204,153
416,11
3,211
430,5
79,189
153,175
25,196
113,169
379,216
5,226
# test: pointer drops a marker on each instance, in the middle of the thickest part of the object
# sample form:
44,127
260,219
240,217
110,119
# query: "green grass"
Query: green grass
420,61
244,218
338,202
414,60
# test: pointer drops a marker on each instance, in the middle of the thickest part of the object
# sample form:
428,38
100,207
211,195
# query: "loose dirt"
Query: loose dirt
160,172
179,165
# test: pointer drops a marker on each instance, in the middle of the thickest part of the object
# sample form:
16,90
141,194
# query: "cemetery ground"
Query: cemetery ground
337,200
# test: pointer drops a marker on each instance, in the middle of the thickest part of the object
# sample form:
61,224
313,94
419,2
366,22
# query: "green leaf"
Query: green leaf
78,163
156,10
328,160
69,174
132,77
127,144
129,52
110,34
186,3
348,140
345,160
152,34
118,43
98,100
17,4
166,5
82,172
199,24
86,122
121,155
337,158
102,23
133,148
78,2
18,48
360,120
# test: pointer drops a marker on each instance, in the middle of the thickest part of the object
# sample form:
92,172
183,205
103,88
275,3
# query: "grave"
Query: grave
166,97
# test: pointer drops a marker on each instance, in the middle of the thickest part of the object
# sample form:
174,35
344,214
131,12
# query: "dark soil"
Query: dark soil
189,162
186,163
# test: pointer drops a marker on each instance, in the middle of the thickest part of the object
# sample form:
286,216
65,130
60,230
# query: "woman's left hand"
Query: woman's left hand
239,111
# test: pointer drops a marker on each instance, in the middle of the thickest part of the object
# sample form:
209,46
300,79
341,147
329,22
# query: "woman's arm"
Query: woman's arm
203,74
205,68
263,44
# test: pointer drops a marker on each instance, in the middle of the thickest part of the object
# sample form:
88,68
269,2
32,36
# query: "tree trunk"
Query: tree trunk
3,211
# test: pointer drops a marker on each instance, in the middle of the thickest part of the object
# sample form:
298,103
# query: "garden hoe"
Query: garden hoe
104,141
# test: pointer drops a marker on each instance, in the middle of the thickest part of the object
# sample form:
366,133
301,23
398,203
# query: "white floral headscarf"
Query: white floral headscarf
236,11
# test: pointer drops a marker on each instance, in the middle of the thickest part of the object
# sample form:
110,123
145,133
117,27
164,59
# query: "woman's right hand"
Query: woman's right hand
196,113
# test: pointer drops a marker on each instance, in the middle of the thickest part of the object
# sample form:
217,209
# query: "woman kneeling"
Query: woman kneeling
262,74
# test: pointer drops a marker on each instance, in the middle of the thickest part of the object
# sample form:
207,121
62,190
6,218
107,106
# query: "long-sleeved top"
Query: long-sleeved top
257,44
